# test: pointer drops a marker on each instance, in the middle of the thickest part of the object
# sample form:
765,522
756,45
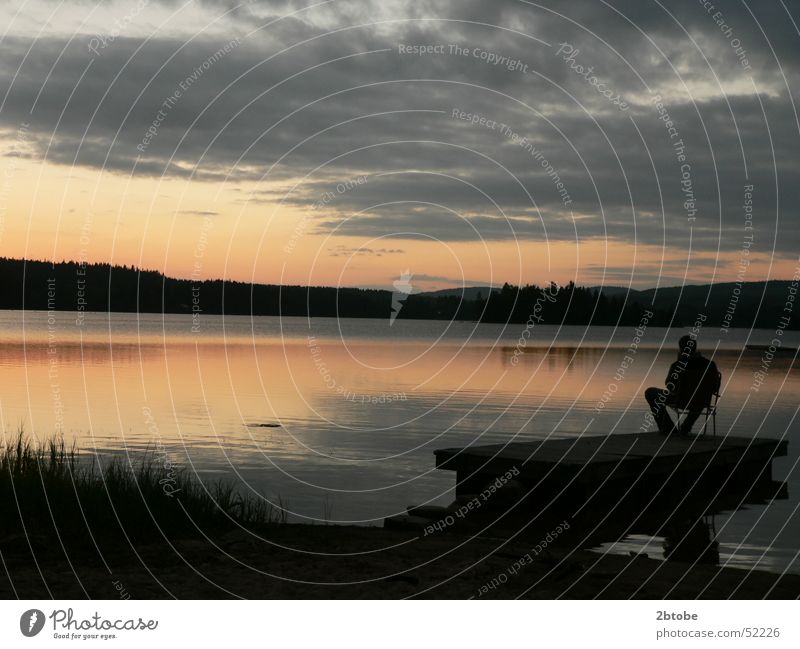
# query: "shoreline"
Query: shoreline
349,562
149,530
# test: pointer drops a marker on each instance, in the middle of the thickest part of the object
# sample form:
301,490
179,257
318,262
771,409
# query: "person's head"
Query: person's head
687,345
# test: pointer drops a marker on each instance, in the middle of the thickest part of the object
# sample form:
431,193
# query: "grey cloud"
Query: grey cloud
241,134
362,251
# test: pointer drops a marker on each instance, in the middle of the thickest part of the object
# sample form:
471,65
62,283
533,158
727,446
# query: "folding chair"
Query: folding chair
708,411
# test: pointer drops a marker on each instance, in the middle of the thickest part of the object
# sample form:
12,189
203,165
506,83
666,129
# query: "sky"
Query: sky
461,142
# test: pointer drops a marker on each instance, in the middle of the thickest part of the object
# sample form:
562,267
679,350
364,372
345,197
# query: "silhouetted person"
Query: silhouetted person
692,381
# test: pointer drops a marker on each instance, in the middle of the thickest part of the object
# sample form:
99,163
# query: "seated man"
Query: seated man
690,384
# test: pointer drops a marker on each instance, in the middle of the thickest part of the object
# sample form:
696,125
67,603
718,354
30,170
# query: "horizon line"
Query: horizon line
494,287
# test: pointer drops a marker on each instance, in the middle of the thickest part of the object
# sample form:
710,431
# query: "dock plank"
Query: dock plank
593,458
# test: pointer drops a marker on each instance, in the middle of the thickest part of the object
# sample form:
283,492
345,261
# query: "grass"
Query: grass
51,488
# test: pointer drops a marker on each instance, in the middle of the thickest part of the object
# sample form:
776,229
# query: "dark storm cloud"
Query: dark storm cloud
305,116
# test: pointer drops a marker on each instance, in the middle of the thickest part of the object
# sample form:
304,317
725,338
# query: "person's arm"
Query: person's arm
717,376
671,381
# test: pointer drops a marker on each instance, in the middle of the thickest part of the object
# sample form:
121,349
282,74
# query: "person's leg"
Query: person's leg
688,422
657,398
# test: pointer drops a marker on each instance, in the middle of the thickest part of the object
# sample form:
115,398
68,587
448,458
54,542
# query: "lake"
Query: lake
337,419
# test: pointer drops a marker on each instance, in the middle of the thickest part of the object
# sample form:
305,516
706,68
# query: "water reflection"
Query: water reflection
692,541
688,530
354,421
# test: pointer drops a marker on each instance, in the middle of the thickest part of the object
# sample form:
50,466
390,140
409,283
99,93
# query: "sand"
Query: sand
303,561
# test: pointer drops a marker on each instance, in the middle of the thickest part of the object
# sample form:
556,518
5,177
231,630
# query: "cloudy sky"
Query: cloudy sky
339,142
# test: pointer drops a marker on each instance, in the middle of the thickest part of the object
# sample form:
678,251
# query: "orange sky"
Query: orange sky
210,230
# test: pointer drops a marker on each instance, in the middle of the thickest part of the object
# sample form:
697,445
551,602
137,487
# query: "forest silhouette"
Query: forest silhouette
75,286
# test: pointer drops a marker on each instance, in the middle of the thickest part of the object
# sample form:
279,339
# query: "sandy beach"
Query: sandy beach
302,561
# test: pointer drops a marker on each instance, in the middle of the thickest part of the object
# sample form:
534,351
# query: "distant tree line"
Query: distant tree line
569,305
72,286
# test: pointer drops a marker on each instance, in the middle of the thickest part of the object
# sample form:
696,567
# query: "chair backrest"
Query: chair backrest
699,383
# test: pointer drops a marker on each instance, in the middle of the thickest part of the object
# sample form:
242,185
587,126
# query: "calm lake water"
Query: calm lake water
339,418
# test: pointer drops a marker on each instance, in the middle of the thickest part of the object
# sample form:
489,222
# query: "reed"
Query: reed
51,487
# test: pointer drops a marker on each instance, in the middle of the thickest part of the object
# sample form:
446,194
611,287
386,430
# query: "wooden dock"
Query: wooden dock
609,486
586,464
